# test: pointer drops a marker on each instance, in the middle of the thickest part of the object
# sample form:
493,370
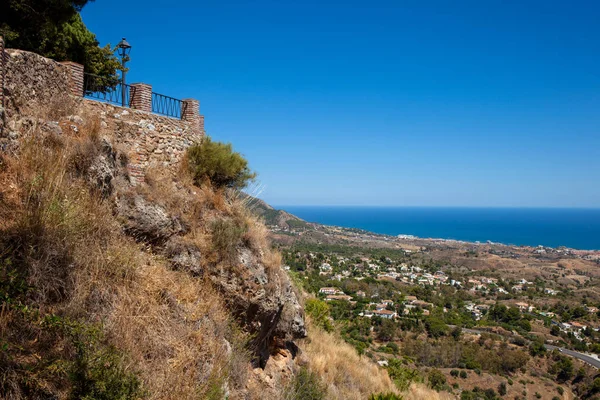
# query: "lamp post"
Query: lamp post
123,48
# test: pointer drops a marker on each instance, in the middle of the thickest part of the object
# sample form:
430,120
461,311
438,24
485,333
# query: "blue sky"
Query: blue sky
427,103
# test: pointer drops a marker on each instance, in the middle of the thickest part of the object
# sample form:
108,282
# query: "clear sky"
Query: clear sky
431,103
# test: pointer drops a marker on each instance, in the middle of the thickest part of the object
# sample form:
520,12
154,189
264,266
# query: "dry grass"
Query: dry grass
350,376
419,391
346,374
172,329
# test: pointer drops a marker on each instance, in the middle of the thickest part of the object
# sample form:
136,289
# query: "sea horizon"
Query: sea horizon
572,227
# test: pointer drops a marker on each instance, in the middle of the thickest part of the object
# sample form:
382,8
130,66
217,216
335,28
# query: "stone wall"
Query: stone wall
150,140
41,92
33,84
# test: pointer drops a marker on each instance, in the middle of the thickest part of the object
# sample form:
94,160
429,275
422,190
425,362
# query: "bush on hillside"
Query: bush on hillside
318,311
226,236
402,376
436,379
305,385
385,396
217,163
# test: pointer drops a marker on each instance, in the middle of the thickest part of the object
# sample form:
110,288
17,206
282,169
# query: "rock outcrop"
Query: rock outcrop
147,221
264,300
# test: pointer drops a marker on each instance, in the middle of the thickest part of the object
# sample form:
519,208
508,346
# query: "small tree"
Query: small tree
537,348
456,332
319,313
563,369
502,389
217,163
435,327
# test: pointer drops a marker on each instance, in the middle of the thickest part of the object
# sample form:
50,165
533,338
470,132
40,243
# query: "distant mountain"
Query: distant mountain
272,216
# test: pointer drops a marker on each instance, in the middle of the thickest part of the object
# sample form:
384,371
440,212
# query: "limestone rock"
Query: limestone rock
103,169
146,220
184,256
263,300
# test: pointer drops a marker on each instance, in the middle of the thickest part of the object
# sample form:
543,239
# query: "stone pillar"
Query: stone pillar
191,112
75,77
140,96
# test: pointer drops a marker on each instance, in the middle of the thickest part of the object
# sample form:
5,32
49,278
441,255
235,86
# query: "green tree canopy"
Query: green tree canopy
218,163
54,29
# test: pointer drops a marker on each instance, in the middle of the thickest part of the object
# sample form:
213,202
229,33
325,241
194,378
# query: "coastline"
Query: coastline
408,237
531,228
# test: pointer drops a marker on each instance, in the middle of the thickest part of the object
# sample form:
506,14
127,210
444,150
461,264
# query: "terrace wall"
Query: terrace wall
38,91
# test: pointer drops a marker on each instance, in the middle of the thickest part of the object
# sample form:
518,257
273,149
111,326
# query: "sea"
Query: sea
576,228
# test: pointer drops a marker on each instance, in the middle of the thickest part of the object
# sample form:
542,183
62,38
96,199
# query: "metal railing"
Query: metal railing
110,90
168,106
106,89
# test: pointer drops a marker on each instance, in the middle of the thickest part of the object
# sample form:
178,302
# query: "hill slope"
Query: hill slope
272,216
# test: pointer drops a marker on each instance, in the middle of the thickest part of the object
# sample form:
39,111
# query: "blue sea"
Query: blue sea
553,227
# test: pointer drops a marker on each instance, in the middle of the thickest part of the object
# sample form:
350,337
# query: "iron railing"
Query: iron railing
106,89
110,90
168,106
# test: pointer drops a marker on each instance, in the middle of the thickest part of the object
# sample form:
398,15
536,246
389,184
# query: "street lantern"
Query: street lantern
123,48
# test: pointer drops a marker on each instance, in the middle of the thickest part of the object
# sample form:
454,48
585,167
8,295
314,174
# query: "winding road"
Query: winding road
581,356
594,362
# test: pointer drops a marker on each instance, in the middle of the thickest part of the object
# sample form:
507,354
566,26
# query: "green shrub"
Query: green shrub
305,385
436,379
402,376
86,365
385,396
219,164
454,373
502,389
463,374
537,348
226,236
392,348
318,311
563,368
435,327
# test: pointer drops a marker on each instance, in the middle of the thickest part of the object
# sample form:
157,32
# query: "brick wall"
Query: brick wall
76,77
140,97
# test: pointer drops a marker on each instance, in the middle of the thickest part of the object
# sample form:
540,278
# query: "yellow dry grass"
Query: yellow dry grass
346,374
173,329
419,391
349,376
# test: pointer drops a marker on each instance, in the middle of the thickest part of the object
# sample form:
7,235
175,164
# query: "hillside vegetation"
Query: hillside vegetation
164,290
